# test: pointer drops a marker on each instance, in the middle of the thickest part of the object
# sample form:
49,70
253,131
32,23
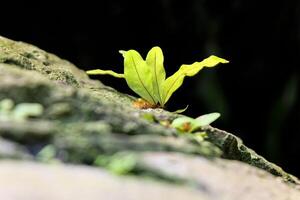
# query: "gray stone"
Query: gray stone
221,179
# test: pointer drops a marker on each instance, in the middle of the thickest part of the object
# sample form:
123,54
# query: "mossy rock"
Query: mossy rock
86,122
77,108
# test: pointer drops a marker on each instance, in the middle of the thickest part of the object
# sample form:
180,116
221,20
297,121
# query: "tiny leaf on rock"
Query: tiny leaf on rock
207,119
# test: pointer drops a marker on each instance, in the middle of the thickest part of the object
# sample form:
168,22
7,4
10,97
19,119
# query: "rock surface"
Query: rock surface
31,181
81,121
205,180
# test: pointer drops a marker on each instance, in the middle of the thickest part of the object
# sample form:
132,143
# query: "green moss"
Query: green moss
32,58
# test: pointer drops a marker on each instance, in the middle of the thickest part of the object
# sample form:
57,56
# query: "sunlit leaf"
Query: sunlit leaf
138,75
175,81
181,110
147,77
155,60
123,52
183,124
104,72
207,119
188,124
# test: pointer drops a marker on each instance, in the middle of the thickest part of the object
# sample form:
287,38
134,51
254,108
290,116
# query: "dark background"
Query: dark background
257,93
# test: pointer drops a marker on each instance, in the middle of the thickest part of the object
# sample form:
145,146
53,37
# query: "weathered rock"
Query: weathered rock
204,179
85,122
233,148
219,178
31,181
9,149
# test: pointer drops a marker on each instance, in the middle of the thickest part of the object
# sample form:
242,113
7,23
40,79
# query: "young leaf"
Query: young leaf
183,124
207,119
138,75
172,83
181,110
155,60
104,72
188,124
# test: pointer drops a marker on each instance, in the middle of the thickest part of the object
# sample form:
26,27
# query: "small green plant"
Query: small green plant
190,125
147,77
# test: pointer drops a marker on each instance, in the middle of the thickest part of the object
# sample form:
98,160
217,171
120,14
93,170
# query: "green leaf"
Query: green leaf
188,124
183,124
147,77
104,72
155,60
172,83
122,52
138,75
181,110
207,119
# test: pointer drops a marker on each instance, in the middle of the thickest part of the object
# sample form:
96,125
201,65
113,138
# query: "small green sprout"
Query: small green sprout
148,79
190,125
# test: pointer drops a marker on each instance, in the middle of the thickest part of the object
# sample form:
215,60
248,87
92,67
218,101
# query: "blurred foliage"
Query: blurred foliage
19,112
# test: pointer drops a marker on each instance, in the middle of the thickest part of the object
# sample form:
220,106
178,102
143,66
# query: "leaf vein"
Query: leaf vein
141,79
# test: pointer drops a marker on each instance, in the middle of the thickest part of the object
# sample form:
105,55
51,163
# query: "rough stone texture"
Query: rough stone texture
88,123
233,148
221,179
